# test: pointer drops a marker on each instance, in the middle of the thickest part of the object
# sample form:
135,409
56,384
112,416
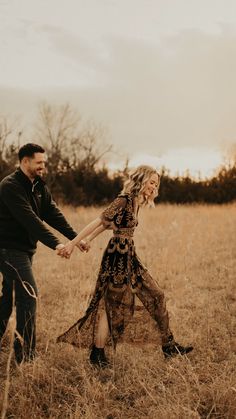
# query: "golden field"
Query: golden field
191,250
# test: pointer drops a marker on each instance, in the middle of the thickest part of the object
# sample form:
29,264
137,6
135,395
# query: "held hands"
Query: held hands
65,251
60,250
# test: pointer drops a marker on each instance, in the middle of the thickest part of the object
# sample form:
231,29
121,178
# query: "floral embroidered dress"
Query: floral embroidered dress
121,277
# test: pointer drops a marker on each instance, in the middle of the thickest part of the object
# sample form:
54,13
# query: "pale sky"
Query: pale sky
158,74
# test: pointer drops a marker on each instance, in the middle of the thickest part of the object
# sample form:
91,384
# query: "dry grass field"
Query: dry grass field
191,250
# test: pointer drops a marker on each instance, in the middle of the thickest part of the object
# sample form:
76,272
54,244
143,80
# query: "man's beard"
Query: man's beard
35,173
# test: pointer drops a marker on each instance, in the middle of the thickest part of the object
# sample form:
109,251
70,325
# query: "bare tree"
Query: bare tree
55,129
69,141
90,147
56,126
9,134
10,138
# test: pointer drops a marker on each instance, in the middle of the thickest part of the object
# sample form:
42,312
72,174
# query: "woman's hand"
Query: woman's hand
84,245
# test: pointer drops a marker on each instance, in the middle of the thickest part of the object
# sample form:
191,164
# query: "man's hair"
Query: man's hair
29,149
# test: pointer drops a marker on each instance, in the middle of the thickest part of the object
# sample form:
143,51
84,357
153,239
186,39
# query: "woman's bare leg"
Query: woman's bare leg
102,330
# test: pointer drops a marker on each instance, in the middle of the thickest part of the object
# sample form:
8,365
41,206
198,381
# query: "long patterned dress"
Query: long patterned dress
121,277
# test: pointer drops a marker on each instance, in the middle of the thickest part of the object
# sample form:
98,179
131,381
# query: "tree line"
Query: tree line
77,173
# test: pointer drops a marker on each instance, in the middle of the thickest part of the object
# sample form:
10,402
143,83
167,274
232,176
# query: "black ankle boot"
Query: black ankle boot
173,349
98,357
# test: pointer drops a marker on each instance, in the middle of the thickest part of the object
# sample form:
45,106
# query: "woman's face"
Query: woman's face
151,186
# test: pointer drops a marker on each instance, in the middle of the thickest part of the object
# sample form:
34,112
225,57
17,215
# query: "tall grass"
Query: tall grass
191,250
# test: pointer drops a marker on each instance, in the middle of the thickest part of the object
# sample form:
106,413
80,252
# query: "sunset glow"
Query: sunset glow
201,162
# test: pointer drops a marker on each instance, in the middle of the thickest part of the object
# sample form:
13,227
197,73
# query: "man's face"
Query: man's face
35,165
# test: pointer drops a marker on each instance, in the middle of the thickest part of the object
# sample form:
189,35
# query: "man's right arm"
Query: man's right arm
14,197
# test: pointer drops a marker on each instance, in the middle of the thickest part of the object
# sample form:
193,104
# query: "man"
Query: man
25,202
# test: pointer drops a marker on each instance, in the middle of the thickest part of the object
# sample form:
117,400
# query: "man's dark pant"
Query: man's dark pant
16,268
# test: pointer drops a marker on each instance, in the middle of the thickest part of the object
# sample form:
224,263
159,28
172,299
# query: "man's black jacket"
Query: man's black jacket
23,208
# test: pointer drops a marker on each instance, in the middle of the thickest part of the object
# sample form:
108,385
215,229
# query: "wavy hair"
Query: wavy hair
136,183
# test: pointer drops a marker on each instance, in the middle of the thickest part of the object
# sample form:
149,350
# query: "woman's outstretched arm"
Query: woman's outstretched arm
84,245
89,229
92,230
96,232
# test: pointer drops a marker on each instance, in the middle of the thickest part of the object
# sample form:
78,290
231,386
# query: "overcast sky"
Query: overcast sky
158,74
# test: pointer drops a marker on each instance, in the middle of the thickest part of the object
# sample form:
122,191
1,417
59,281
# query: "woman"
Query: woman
121,275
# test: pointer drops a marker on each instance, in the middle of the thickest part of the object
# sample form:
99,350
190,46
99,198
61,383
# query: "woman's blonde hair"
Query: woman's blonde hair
136,183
